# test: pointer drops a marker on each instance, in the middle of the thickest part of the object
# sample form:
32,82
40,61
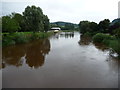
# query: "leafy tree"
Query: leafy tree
46,23
0,24
33,17
84,26
88,27
94,27
9,24
104,25
19,18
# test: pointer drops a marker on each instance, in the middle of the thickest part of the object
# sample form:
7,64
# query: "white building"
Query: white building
55,28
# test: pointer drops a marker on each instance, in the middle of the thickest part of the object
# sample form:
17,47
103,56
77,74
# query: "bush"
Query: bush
106,42
115,45
87,34
109,41
100,37
21,38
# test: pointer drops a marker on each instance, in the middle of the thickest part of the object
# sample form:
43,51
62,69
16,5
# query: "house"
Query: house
56,29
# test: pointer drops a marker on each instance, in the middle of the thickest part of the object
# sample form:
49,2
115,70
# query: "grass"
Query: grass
22,37
108,40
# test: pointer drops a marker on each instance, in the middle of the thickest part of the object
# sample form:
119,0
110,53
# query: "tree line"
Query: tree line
104,26
106,33
31,20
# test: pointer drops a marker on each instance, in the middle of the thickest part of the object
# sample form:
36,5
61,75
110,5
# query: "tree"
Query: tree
104,25
94,27
84,26
46,23
9,24
19,18
33,17
0,24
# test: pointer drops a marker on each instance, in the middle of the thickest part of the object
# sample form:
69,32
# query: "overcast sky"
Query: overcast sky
67,10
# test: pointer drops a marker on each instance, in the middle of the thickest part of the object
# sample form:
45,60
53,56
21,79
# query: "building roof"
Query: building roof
56,28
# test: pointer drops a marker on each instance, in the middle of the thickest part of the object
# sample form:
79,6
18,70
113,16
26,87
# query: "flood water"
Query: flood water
61,61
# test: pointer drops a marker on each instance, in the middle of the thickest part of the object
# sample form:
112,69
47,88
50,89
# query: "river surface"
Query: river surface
65,60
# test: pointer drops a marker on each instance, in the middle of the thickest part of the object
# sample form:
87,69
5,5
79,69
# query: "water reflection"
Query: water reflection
84,40
12,55
34,54
67,34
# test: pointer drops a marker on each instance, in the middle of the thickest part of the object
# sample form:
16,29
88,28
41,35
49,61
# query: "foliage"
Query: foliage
99,37
33,17
9,24
87,34
117,32
46,23
86,26
115,45
108,40
104,25
22,37
19,18
0,24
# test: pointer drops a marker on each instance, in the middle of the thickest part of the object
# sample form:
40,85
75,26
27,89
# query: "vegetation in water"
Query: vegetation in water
106,32
22,37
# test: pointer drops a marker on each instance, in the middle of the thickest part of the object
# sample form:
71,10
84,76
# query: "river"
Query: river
62,61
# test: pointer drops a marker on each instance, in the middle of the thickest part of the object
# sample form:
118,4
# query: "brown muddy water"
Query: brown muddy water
61,61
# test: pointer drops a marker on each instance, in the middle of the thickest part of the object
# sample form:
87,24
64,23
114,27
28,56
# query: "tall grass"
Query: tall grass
108,40
22,37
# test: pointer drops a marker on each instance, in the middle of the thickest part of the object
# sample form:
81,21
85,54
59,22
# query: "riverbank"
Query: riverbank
110,41
22,37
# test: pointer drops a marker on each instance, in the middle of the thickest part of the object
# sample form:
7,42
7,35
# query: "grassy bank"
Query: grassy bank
110,41
22,37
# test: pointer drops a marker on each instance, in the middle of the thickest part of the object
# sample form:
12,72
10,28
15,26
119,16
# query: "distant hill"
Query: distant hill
62,24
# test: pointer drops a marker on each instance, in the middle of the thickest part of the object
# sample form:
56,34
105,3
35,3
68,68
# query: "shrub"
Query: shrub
115,45
21,38
87,34
100,37
106,42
